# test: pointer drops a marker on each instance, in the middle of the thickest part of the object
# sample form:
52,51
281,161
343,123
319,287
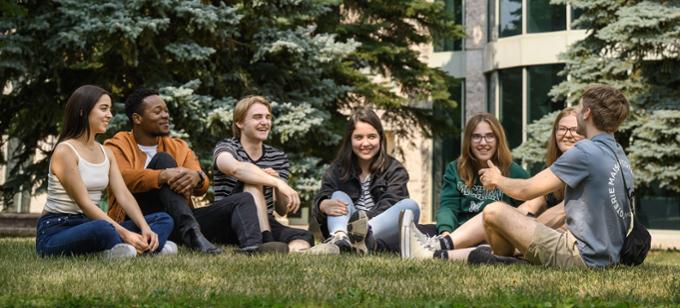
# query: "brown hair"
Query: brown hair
607,105
468,165
554,152
241,109
77,111
346,160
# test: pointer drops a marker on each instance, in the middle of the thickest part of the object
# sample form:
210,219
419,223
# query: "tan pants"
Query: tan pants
554,248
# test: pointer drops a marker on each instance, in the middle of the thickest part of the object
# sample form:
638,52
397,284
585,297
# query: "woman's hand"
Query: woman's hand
136,240
332,207
151,238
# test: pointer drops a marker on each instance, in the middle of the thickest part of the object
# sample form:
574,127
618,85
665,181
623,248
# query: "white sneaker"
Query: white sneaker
120,251
170,248
411,247
433,242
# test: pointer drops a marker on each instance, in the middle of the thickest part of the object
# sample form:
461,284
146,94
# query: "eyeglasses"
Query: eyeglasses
477,138
562,130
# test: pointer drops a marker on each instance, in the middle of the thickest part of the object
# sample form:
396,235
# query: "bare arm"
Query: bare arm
520,189
251,174
534,206
65,167
129,204
245,172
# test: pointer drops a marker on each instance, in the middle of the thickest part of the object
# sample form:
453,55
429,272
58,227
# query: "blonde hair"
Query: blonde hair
554,152
468,165
241,109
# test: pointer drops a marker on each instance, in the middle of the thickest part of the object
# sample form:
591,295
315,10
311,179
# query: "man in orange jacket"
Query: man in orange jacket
163,173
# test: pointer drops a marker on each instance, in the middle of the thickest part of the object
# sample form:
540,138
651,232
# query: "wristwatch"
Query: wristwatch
201,179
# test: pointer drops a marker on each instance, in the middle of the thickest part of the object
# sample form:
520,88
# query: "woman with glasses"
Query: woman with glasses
563,137
463,197
548,208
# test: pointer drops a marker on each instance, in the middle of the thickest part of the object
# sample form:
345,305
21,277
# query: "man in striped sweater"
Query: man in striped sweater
245,164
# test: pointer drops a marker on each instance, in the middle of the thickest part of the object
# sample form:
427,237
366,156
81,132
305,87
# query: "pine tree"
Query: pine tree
633,46
311,58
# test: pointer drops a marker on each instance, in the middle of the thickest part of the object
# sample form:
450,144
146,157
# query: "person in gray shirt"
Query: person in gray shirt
596,202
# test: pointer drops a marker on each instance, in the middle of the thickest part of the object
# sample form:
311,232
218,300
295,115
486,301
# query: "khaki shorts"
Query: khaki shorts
554,248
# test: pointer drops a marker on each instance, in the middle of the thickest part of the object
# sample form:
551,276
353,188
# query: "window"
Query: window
510,22
510,82
446,146
540,79
545,17
659,209
455,7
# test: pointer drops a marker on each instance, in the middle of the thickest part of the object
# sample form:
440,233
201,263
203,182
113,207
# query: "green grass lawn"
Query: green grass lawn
191,279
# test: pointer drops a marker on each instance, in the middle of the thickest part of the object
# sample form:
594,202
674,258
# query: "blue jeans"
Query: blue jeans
385,226
75,234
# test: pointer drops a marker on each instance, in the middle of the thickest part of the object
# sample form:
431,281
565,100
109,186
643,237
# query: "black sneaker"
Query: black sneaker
269,247
484,255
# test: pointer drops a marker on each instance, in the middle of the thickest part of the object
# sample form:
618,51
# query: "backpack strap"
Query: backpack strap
629,193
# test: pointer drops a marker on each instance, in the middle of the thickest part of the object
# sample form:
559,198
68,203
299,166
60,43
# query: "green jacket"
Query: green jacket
458,203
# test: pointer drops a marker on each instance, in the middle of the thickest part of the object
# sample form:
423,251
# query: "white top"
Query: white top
94,176
150,151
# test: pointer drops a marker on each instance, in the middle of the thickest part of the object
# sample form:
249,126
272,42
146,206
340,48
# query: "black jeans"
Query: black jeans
232,220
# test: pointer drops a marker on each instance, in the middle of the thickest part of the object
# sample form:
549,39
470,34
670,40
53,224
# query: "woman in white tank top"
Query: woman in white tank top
80,170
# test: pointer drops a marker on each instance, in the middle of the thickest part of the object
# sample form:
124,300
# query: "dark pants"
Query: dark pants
232,220
75,234
286,234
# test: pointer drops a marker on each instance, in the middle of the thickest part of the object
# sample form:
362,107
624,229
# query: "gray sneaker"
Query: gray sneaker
170,248
120,251
358,229
411,247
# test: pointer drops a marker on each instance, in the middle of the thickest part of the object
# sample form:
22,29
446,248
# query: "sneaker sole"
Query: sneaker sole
357,232
404,230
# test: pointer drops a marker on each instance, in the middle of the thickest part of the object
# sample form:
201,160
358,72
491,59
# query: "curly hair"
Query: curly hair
135,99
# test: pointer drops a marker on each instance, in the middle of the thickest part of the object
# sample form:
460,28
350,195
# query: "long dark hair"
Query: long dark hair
346,160
77,111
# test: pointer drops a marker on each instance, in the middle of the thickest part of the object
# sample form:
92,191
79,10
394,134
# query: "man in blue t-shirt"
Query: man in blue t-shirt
596,202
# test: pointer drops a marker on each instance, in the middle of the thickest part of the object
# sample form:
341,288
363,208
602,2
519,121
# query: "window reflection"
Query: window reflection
510,22
545,17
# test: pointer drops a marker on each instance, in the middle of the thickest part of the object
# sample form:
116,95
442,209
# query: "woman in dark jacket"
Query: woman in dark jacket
364,189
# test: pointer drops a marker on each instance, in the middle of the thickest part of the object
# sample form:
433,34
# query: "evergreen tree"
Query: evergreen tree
311,58
633,46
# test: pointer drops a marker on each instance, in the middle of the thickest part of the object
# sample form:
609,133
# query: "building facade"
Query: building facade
506,65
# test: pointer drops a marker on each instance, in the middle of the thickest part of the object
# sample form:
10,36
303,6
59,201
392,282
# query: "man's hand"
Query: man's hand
290,196
184,181
490,177
333,207
167,174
